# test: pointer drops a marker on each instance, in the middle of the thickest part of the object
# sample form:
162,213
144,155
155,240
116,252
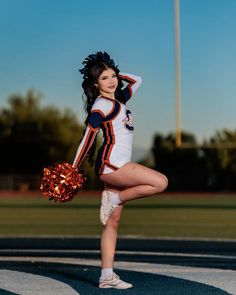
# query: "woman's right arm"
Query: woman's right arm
100,109
95,118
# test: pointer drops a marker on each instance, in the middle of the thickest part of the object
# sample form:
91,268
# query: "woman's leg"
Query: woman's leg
136,180
109,234
108,278
131,181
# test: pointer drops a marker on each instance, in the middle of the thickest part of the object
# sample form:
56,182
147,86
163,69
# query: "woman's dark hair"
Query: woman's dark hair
94,65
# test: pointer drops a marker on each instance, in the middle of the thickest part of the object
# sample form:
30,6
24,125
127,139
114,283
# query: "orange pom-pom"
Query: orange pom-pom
62,182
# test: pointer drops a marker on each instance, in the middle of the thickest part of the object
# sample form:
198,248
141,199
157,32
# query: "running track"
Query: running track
71,265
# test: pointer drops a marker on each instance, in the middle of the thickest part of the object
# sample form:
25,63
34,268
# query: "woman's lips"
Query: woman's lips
111,87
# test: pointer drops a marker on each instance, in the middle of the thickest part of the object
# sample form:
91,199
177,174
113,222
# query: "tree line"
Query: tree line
210,167
33,136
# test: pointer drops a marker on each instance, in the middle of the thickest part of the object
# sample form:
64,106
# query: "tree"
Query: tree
185,168
222,161
33,137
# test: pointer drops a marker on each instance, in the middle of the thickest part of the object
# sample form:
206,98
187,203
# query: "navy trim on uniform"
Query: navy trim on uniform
98,162
106,146
111,140
114,112
127,93
95,119
112,166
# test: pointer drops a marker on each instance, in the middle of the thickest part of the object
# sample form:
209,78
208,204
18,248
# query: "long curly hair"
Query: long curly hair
94,65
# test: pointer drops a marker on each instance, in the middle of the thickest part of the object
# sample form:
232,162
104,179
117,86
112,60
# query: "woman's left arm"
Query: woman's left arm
133,84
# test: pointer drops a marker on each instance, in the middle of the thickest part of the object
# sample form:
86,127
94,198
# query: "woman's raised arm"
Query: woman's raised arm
133,84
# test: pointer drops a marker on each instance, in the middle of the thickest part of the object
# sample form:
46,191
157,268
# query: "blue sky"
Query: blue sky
44,42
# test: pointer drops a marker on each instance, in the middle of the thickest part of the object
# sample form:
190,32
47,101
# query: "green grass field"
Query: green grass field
167,215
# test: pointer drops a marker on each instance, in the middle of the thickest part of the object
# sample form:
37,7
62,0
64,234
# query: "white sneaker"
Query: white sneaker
107,208
113,281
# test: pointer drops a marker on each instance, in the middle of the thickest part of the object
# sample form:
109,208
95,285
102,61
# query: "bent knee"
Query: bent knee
113,222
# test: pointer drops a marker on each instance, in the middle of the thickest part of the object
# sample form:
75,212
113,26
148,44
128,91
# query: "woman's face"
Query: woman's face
107,82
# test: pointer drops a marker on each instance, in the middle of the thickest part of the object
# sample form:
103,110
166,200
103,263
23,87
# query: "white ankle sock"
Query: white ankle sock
106,272
114,197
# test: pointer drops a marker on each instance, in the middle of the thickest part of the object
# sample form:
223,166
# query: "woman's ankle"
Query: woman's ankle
106,272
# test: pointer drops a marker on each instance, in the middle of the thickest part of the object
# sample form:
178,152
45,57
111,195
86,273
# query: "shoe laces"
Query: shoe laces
111,209
116,276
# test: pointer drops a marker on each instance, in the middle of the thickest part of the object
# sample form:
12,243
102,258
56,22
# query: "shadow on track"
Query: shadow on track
5,292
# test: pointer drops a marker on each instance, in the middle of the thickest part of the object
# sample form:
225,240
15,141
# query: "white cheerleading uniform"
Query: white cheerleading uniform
115,120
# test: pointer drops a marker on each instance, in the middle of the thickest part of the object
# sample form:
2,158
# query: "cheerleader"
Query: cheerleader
106,106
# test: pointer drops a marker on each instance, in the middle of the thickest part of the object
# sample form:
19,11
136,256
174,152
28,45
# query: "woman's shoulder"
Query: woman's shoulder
103,101
103,104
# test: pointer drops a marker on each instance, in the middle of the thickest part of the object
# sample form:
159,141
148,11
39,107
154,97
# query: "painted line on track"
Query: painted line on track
219,278
25,283
131,253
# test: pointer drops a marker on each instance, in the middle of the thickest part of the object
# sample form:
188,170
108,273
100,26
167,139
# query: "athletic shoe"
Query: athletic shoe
107,208
113,281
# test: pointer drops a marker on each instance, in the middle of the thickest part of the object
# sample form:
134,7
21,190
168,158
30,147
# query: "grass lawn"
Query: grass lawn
167,215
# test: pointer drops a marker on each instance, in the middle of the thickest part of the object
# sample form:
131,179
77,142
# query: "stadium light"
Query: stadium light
177,74
179,143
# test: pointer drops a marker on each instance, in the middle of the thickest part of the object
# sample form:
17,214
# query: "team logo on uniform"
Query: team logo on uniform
128,121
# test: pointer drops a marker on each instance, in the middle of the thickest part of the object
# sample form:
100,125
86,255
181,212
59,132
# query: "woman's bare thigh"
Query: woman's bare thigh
133,174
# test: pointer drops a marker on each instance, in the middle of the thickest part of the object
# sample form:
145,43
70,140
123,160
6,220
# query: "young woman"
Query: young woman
124,180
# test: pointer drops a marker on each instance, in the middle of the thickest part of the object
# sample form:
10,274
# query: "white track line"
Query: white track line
27,284
219,278
132,253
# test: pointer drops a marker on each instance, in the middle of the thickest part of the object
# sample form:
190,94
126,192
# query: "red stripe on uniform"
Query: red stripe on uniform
105,148
112,142
108,148
132,82
88,142
112,166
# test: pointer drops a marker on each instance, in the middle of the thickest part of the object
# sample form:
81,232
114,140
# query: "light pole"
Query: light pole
177,74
